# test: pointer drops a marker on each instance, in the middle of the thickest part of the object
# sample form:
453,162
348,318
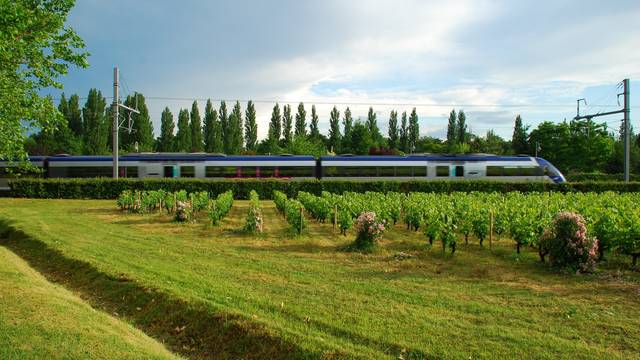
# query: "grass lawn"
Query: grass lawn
39,320
217,292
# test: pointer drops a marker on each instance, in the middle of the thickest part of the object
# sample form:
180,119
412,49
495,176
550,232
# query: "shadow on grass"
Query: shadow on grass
190,329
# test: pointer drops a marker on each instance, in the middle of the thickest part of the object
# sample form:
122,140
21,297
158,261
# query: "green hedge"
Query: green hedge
580,177
105,188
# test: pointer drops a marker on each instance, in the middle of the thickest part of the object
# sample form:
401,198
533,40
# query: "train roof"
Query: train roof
180,157
428,157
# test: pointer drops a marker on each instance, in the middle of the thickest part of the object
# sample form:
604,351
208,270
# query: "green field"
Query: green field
217,292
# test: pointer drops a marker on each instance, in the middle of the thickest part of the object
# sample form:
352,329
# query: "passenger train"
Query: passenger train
341,167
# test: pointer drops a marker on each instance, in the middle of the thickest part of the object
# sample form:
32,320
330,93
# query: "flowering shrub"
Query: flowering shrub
567,243
183,211
369,230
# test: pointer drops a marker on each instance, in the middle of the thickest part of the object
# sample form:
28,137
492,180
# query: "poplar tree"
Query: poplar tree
75,116
167,127
372,125
301,121
519,141
404,133
183,137
250,128
141,124
347,122
414,130
334,130
224,127
286,124
461,128
235,126
275,125
196,129
314,132
212,130
95,135
393,130
451,128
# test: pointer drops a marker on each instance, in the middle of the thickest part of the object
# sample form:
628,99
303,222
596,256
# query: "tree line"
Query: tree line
574,146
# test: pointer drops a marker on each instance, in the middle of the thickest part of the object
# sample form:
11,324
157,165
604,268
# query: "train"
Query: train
337,167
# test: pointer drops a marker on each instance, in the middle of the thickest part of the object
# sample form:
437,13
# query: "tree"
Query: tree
250,128
372,125
360,139
393,130
224,127
196,129
404,133
334,130
60,140
414,130
301,121
167,127
212,130
275,125
235,129
183,137
519,138
347,122
96,128
462,136
314,132
452,137
75,116
37,49
286,124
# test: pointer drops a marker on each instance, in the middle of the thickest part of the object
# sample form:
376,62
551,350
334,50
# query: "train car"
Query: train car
343,167
439,167
199,165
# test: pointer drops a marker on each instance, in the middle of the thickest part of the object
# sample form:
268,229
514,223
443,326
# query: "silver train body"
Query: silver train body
343,167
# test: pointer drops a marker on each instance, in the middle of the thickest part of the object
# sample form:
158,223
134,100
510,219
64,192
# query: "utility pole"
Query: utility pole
626,110
116,124
116,121
627,141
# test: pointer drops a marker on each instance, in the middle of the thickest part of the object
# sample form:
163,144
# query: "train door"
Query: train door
457,171
169,171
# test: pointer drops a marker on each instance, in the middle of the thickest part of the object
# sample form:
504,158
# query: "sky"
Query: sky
492,59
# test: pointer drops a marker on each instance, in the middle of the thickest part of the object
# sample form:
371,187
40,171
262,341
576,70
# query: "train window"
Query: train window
330,171
352,171
386,171
248,171
89,171
131,171
187,171
296,171
404,171
495,170
420,171
369,171
442,171
267,171
220,171
459,171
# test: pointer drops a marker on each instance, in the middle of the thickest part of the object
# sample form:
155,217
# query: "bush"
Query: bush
368,231
568,245
219,207
254,216
105,188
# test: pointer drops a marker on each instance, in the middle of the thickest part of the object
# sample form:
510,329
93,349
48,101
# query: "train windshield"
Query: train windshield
553,172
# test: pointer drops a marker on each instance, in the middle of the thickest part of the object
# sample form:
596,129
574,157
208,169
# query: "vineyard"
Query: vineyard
613,219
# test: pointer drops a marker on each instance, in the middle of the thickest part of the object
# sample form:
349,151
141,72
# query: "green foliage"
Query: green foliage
212,130
255,220
287,121
314,132
301,121
404,133
414,131
250,128
36,49
519,140
220,207
96,125
235,132
197,145
183,137
275,125
374,130
567,243
334,131
394,136
291,209
347,123
166,140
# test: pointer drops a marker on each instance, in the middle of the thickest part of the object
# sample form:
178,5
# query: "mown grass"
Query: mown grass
39,320
300,296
